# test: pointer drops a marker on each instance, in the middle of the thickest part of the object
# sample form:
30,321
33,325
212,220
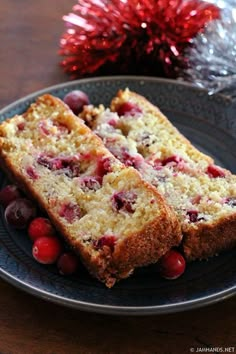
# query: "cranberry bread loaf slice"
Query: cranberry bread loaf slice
106,212
202,194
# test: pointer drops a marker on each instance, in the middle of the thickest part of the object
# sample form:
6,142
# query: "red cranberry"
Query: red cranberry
76,100
46,125
172,159
131,160
106,240
157,164
171,265
70,212
124,201
112,122
90,182
231,201
193,216
40,227
103,166
67,263
52,163
69,165
20,212
31,172
21,126
8,194
87,156
215,171
58,164
46,250
45,160
128,108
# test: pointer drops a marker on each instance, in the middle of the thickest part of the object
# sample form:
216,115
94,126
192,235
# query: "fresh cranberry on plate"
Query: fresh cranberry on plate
8,194
40,227
76,100
20,212
46,250
171,265
67,263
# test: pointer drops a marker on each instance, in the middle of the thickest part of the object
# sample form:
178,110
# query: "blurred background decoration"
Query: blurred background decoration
211,57
189,39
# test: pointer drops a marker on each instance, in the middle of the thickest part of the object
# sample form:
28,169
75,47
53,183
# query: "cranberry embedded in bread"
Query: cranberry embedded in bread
105,211
124,201
201,193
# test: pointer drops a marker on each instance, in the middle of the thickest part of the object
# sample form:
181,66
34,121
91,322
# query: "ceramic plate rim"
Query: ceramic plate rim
103,78
112,309
118,310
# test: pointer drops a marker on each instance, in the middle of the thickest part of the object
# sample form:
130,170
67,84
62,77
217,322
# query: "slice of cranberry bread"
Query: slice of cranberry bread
110,216
203,195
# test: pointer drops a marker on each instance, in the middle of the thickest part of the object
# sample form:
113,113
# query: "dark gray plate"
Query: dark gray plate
209,122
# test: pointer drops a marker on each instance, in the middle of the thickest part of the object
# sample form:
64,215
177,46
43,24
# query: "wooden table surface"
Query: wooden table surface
29,36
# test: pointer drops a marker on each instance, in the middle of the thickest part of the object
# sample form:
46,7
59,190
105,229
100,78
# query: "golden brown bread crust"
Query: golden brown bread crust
140,248
205,239
210,239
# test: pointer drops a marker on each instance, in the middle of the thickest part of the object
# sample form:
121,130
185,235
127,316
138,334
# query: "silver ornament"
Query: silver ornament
224,5
212,56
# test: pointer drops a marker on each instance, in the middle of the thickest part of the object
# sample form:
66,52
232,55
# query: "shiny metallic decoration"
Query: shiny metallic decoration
211,59
145,37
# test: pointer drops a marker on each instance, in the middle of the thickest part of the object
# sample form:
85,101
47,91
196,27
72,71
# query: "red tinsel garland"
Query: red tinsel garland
131,36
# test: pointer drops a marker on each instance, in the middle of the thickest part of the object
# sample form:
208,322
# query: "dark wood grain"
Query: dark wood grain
30,33
29,37
30,325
